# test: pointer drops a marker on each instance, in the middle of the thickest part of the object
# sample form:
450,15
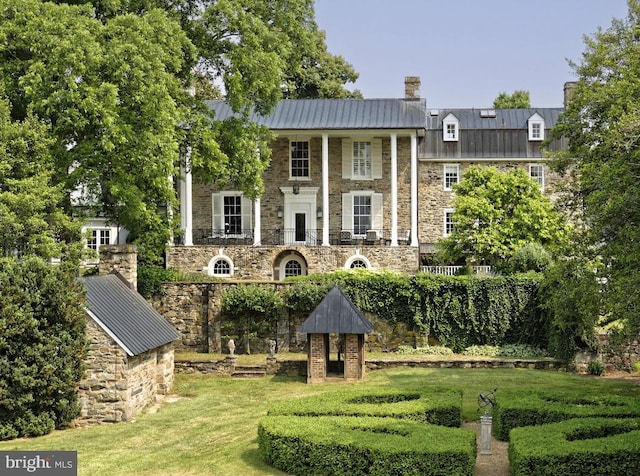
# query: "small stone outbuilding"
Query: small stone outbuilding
130,360
335,315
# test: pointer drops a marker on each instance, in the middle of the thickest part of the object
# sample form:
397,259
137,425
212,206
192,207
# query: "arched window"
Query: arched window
221,267
292,268
358,263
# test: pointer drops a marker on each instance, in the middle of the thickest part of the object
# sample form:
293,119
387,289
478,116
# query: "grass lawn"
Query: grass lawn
211,429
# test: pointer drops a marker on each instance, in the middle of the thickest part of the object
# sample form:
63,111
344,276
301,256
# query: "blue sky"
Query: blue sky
466,52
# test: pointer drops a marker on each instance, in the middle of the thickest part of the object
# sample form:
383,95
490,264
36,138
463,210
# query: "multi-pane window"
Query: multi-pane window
451,175
448,222
292,268
361,214
232,211
450,128
221,268
536,131
300,159
536,172
358,263
362,159
97,238
451,132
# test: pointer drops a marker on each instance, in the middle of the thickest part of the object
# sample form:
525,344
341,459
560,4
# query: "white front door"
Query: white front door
299,217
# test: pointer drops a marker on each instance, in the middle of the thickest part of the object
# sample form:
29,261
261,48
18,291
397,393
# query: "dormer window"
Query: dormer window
450,128
536,127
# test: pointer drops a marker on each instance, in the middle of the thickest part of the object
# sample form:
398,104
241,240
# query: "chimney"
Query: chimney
412,87
120,258
569,88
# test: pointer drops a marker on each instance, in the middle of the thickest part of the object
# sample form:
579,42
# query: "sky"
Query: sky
465,52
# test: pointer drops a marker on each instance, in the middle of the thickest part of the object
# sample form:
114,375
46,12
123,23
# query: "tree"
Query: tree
42,346
31,220
602,125
518,100
112,80
496,213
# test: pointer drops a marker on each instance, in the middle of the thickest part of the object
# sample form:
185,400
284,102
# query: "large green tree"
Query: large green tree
518,100
602,124
112,79
497,213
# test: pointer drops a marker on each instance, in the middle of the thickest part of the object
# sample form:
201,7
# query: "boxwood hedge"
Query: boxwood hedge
594,446
351,446
428,405
525,408
356,431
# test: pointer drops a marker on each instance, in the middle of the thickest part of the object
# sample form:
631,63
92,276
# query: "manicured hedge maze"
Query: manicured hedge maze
593,446
357,432
516,409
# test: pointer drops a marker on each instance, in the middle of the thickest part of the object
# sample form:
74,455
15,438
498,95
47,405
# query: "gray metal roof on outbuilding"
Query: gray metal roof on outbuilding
125,315
336,314
503,119
328,114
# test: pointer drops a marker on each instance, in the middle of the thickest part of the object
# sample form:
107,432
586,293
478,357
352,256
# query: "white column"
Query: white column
394,189
186,200
325,190
414,189
257,223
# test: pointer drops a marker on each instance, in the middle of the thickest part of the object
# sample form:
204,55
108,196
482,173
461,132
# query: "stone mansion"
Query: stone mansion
352,183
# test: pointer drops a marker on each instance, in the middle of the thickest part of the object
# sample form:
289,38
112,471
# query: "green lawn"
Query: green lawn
211,429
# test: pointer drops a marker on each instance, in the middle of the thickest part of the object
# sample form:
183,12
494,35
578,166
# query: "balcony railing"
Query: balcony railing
453,270
291,236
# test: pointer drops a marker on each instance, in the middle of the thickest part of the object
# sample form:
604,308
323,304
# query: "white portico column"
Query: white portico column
414,189
257,223
325,190
186,200
394,189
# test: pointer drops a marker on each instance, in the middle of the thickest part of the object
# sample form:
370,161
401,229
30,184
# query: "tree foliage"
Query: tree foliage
112,79
496,213
31,220
602,125
518,100
42,346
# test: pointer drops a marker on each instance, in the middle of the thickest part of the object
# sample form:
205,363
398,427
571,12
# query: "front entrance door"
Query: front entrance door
300,227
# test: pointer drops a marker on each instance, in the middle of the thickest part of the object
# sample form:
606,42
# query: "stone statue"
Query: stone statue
272,347
231,346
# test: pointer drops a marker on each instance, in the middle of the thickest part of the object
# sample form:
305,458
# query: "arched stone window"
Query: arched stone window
220,266
357,261
292,268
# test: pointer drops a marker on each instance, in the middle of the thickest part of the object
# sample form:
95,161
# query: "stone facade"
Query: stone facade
116,387
120,258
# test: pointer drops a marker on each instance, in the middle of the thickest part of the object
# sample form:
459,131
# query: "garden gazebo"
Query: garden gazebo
335,314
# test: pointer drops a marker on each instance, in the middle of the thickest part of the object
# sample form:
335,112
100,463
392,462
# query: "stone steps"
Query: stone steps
249,371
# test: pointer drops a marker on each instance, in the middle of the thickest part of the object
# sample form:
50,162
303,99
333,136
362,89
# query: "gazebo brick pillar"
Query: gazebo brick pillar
352,369
317,362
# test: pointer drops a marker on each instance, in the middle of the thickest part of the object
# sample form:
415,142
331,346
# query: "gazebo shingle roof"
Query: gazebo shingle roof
336,314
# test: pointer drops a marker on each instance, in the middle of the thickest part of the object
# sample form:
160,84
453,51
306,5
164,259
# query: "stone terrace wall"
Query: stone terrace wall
194,310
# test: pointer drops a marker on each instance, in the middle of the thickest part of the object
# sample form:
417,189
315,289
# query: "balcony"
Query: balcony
453,270
293,237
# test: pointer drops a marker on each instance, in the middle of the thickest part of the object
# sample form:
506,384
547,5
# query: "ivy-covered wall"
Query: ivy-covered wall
457,311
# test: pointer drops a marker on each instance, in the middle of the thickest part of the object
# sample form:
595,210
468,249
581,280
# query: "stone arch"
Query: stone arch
357,261
220,266
289,263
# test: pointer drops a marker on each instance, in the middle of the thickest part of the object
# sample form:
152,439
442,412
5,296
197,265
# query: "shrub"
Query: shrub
482,350
595,367
578,446
425,350
521,351
530,257
42,346
519,408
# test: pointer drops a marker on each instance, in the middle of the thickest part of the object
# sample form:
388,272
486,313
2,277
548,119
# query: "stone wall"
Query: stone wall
616,357
116,387
263,262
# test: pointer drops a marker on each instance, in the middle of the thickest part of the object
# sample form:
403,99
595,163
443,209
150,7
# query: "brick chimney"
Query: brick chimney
412,87
121,258
569,88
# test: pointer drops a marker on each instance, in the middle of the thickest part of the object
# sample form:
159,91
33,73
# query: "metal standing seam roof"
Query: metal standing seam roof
504,118
125,315
336,314
335,114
